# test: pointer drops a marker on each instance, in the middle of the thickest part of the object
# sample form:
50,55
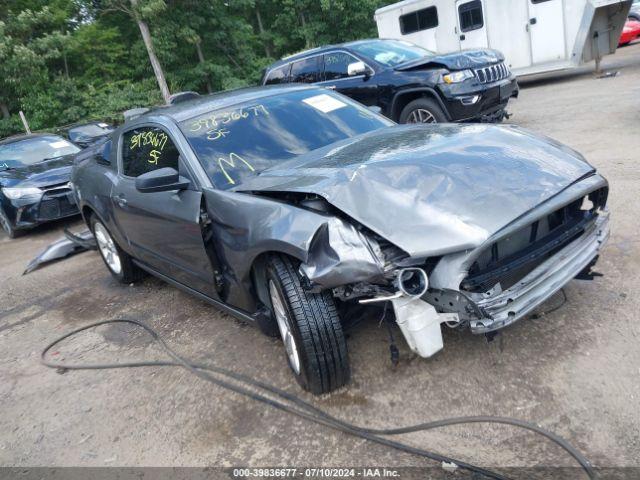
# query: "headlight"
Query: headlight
457,77
25,192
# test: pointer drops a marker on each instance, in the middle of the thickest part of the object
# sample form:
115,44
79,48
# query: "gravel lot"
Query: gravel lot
575,371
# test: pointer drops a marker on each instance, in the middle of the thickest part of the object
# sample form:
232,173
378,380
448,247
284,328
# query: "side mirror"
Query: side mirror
103,155
375,109
357,68
161,180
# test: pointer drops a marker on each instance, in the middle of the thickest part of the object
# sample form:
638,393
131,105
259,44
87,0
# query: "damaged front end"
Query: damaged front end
524,264
485,288
496,218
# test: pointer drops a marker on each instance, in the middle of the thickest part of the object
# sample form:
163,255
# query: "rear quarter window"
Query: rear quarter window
278,75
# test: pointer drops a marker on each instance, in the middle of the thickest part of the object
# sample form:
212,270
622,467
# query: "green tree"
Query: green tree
62,61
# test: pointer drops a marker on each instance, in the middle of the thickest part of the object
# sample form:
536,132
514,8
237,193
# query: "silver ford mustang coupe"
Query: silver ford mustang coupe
291,206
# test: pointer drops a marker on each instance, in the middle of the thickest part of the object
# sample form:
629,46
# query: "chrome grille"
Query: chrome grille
492,73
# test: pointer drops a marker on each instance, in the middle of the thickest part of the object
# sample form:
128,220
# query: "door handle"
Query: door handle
533,21
121,201
462,37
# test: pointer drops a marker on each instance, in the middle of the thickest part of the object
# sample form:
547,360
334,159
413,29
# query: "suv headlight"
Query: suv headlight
21,192
457,77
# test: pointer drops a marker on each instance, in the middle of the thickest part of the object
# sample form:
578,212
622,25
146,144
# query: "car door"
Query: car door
472,29
162,229
361,88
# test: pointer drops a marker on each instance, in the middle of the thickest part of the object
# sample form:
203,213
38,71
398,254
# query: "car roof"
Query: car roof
83,124
317,51
207,103
25,136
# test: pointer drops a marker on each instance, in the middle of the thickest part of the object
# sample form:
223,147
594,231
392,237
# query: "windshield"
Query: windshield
240,142
90,130
390,52
33,150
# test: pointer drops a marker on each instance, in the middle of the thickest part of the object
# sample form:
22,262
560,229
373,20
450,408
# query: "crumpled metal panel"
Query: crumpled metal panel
340,254
432,189
452,269
332,252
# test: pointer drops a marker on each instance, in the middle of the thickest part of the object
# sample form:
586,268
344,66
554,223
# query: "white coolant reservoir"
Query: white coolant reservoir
420,324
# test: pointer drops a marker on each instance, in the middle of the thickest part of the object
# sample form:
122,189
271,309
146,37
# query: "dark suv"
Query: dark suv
410,84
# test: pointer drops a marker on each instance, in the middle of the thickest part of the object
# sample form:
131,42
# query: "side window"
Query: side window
336,65
146,149
423,19
306,71
471,16
279,75
538,1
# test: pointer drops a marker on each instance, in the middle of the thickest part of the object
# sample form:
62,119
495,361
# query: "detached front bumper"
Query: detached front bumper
545,280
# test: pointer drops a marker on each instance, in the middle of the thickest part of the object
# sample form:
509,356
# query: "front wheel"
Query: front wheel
6,225
422,110
119,263
310,329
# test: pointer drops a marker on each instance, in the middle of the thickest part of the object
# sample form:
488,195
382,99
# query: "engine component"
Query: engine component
420,324
413,282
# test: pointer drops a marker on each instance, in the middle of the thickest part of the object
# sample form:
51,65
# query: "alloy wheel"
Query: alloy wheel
421,115
108,248
283,325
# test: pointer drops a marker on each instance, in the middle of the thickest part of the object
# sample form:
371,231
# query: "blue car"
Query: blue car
35,171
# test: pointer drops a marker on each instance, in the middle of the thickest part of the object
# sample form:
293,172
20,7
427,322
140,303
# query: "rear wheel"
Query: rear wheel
310,329
119,263
422,110
6,225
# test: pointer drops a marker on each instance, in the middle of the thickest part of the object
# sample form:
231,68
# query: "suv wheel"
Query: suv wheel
422,110
119,263
6,225
310,328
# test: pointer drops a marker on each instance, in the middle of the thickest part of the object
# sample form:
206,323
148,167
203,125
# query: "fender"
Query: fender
429,90
247,226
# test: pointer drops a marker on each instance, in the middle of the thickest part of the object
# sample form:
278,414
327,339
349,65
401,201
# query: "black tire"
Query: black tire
316,329
424,104
7,227
129,272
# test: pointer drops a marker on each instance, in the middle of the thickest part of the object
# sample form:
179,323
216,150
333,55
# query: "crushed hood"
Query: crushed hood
432,189
456,60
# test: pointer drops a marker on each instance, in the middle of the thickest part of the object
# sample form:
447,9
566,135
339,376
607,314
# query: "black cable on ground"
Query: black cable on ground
306,410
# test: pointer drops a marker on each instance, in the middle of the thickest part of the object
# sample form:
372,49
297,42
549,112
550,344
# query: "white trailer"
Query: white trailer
534,35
